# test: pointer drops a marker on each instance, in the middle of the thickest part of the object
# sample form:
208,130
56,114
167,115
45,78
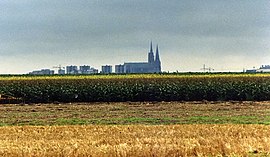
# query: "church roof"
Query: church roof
135,63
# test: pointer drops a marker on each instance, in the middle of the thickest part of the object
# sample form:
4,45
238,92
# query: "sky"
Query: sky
226,35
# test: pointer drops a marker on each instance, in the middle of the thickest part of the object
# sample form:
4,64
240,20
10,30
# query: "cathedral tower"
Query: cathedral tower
151,54
157,61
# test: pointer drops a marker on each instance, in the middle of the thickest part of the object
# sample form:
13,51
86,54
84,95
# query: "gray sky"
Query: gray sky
224,34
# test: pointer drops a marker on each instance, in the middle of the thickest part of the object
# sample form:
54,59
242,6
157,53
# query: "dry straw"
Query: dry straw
136,140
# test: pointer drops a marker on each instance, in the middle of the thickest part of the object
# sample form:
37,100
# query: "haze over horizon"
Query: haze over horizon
225,35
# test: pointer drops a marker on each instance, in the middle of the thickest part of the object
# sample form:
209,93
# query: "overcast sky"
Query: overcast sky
223,34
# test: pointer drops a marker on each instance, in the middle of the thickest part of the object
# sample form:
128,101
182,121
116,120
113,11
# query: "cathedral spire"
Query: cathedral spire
157,62
157,55
151,47
151,54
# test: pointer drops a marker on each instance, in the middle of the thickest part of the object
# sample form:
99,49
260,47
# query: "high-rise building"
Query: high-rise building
119,69
85,69
72,69
106,69
61,71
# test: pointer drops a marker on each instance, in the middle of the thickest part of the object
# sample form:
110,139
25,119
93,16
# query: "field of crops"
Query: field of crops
136,140
148,87
135,115
135,129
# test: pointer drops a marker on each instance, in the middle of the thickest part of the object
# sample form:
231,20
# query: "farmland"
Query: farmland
147,87
136,140
135,115
130,113
136,129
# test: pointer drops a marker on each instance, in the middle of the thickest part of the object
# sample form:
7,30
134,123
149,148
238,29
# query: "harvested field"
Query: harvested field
136,113
206,129
136,140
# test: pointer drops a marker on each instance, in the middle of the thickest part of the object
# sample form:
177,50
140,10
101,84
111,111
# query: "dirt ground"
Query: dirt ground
136,113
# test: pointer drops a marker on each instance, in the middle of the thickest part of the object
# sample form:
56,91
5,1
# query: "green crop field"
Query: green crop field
140,87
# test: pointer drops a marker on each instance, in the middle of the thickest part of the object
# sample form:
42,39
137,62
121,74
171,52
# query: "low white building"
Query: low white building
262,69
42,72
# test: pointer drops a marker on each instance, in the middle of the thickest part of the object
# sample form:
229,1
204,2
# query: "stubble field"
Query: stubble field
136,140
184,129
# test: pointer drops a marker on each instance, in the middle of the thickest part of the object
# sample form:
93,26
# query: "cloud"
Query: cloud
125,27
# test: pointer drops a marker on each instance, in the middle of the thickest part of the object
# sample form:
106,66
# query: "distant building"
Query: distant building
265,67
139,67
93,71
119,69
106,69
61,71
42,72
262,69
152,66
85,69
251,71
72,69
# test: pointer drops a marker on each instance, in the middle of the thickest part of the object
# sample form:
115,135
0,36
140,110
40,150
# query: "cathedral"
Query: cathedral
152,66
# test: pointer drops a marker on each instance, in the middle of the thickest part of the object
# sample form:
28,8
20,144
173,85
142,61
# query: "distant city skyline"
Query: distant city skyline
153,65
224,35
